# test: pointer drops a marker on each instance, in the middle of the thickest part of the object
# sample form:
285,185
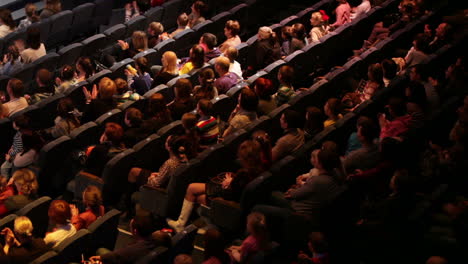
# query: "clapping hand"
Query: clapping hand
124,45
90,96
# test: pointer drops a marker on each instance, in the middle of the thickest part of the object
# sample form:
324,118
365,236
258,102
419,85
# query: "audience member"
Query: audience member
11,62
389,69
20,245
59,217
65,79
35,49
318,246
206,89
374,83
84,69
158,115
45,87
263,139
197,16
244,113
138,44
182,24
31,16
155,31
232,53
264,90
314,122
226,79
67,119
134,131
265,51
208,42
319,26
183,259
249,155
196,60
15,90
285,41
92,199
214,248
99,101
442,36
399,119
207,124
292,123
32,144
124,94
362,8
332,109
7,24
139,81
22,125
286,89
169,69
299,37
343,13
183,101
136,8
231,31
417,54
52,7
25,184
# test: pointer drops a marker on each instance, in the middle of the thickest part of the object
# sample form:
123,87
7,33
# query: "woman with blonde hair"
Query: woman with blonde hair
99,101
92,199
20,245
319,27
24,180
169,69
138,44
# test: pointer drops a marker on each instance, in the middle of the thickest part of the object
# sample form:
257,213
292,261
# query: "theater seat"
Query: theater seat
83,22
183,42
50,257
118,69
173,128
203,27
103,12
150,55
69,54
48,61
85,135
154,14
223,106
217,27
171,10
95,78
94,44
59,28
7,221
104,230
163,46
135,24
115,115
182,242
82,181
73,248
116,32
36,211
148,153
157,255
162,89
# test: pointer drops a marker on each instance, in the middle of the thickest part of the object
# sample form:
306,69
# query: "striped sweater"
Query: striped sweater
209,130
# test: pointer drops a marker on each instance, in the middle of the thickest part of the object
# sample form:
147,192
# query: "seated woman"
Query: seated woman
11,61
231,31
65,80
59,217
92,199
169,69
180,151
264,90
197,16
7,24
249,155
138,44
35,48
99,100
25,184
299,37
244,113
32,144
140,80
66,120
51,8
158,115
84,68
374,82
20,245
206,89
265,51
183,100
196,60
257,241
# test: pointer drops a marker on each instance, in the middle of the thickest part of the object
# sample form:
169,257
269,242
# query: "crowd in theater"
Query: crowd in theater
338,134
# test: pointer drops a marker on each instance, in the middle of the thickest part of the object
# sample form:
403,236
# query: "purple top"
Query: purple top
225,82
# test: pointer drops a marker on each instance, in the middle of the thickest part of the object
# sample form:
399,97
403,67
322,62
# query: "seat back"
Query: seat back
60,24
6,129
83,19
171,10
157,255
154,14
73,248
115,116
118,69
69,54
83,180
94,44
104,230
163,46
37,212
7,221
135,24
48,61
182,242
103,12
116,32
223,106
50,257
85,135
183,42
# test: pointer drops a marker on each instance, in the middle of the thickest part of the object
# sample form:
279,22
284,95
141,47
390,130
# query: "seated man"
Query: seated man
226,78
293,138
208,42
15,90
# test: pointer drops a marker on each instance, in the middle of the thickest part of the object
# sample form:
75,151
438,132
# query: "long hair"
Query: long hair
92,197
66,110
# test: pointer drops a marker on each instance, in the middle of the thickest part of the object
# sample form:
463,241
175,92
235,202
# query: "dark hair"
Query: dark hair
87,65
397,106
287,74
249,154
184,89
210,40
206,106
248,100
263,88
143,222
16,87
263,139
389,68
214,246
390,148
318,243
421,70
33,37
65,108
181,146
293,119
299,31
201,7
7,19
142,64
207,78
45,77
67,72
92,197
134,116
59,212
334,105
375,73
420,42
314,120
114,133
329,160
417,94
22,121
143,5
30,10
197,56
234,26
31,140
13,52
157,107
402,181
368,128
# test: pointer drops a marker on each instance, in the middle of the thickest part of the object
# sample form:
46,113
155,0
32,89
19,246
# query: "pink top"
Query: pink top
212,260
249,247
396,127
343,14
86,218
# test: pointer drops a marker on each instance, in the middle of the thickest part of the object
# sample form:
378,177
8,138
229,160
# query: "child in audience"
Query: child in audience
65,80
206,89
59,216
332,110
139,81
11,62
123,93
319,248
31,16
207,124
21,125
258,239
92,199
286,90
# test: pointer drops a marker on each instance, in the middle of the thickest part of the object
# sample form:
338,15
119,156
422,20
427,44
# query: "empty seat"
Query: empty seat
171,10
94,44
12,37
44,26
300,62
316,95
154,14
116,32
102,12
148,153
203,27
48,61
50,178
83,19
115,115
183,42
37,212
150,55
104,230
115,176
251,80
50,257
182,242
69,54
118,69
85,135
59,28
219,21
163,46
47,110
243,50
25,74
73,248
135,24
223,106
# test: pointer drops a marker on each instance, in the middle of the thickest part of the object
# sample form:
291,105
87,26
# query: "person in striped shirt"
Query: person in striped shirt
207,125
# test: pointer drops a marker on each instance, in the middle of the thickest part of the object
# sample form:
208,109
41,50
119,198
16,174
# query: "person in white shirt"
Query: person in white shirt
7,24
15,90
231,53
59,216
363,8
35,49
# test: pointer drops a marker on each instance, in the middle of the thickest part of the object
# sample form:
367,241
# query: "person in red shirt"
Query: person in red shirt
92,199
